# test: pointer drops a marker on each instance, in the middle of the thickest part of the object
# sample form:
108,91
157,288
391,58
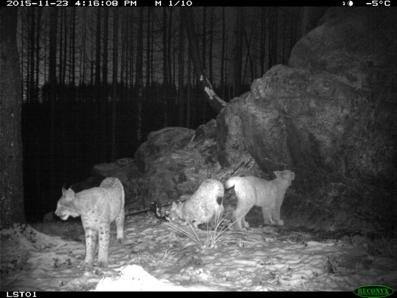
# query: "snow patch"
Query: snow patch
135,278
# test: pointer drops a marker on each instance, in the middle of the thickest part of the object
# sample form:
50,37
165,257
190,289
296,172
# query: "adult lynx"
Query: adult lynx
253,191
98,208
202,206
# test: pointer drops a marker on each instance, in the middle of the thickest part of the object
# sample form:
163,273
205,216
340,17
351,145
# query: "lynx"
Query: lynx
202,206
98,208
253,191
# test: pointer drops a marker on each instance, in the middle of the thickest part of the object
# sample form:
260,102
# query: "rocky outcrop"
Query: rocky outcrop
174,161
328,117
357,46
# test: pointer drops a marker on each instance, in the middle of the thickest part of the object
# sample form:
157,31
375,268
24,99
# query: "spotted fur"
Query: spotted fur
98,208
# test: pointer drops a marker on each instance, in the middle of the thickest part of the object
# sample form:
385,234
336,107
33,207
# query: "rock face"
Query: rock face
175,160
330,117
354,45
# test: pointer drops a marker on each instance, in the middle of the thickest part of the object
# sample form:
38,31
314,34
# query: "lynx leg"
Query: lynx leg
276,216
104,237
267,216
90,243
120,226
239,214
245,223
218,213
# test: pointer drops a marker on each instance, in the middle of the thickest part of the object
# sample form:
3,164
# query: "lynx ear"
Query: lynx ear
68,194
173,205
277,173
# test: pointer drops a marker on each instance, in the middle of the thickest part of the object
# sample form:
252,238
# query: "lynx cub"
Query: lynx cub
253,191
98,208
202,206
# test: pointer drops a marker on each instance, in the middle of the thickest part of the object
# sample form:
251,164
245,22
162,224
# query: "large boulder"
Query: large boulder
330,117
161,142
175,160
358,46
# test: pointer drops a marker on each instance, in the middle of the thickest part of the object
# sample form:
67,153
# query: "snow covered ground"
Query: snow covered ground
155,257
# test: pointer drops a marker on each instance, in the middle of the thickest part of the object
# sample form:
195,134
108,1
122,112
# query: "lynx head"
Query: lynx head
176,210
285,175
65,206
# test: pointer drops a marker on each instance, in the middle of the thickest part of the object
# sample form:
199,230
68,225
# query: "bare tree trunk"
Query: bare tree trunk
37,58
22,56
105,19
114,83
267,38
204,39
169,48
166,78
139,76
31,46
273,38
92,73
189,94
130,48
124,44
148,45
280,38
165,50
45,57
72,70
66,47
305,19
262,40
211,45
104,87
11,177
52,73
98,50
60,51
238,51
181,67
83,50
152,49
63,49
248,59
223,83
204,54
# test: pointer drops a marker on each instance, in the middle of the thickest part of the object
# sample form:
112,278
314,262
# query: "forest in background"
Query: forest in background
96,81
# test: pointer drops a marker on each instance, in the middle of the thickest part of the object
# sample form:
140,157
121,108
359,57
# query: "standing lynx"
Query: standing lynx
202,206
98,208
253,191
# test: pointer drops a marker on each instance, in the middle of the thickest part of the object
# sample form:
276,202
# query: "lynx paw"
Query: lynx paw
103,264
86,266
